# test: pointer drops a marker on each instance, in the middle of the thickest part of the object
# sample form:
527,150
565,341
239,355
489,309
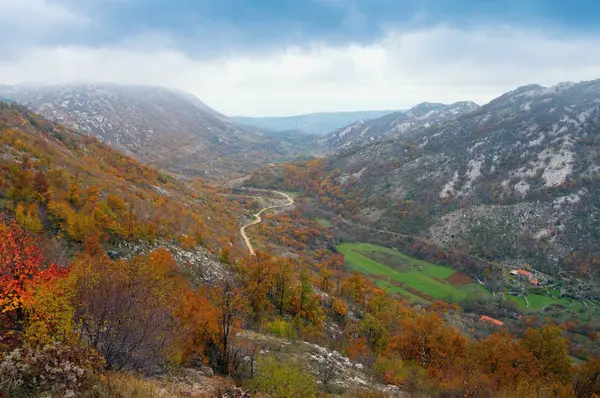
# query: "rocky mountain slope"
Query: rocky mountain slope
395,124
169,128
515,181
314,123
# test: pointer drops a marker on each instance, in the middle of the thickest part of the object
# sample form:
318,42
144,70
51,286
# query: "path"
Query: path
258,218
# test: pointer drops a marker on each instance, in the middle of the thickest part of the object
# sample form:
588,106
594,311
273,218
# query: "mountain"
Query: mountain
73,186
169,128
395,124
515,181
314,123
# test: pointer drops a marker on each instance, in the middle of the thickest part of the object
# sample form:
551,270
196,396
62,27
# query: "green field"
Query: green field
399,273
538,301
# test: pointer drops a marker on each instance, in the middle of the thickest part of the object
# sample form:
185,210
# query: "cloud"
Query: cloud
35,21
439,63
37,15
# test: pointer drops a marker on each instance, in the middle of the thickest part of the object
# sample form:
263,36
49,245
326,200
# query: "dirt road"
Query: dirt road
258,218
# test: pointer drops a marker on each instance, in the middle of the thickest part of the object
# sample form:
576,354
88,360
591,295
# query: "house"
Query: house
491,321
535,282
521,273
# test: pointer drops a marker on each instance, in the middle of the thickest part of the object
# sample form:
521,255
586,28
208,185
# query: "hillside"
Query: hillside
73,185
394,125
515,181
313,123
168,128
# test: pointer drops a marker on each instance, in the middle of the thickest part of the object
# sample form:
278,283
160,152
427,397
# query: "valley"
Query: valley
340,263
299,199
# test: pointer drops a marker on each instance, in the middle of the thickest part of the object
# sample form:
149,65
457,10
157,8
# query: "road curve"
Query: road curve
258,219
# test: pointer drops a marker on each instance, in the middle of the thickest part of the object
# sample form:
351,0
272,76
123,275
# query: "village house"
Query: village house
525,275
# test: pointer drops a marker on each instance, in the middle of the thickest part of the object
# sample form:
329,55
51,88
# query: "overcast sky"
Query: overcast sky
286,57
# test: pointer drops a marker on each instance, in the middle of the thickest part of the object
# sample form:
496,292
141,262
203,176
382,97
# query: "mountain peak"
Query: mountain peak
422,109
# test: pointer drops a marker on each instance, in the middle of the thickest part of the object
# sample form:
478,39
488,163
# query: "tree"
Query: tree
586,380
21,267
426,340
551,350
505,362
197,327
232,308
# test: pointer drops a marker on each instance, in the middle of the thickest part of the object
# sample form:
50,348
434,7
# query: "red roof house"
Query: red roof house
491,321
524,274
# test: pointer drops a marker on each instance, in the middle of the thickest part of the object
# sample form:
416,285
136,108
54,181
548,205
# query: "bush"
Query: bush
281,328
60,369
283,379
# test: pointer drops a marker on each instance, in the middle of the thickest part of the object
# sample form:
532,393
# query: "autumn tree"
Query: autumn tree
586,380
427,340
502,360
21,267
550,349
231,309
197,328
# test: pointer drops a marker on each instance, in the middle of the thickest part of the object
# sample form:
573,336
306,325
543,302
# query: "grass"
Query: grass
323,222
413,298
400,273
539,301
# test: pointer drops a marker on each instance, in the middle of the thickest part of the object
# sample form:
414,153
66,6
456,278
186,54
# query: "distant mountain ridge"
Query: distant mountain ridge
314,123
395,124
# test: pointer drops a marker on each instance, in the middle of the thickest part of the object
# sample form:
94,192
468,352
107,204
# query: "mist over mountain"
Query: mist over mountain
314,123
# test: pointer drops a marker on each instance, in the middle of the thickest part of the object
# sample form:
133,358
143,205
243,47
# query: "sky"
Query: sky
287,57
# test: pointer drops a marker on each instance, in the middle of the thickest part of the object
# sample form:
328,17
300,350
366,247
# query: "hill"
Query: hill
515,181
74,186
313,123
168,128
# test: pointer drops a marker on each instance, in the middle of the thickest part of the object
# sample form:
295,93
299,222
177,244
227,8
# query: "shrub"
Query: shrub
281,328
124,309
61,369
283,379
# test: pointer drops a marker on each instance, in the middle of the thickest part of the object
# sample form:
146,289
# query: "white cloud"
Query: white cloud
437,64
37,16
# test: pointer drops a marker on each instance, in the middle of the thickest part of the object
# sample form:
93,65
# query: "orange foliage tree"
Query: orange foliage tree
21,267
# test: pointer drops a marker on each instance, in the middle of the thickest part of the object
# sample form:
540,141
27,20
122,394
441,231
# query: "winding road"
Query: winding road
258,218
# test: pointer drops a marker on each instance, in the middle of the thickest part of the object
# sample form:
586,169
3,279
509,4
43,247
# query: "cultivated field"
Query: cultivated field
416,279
